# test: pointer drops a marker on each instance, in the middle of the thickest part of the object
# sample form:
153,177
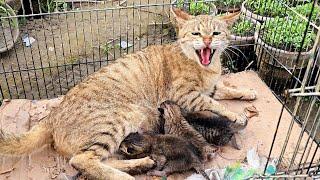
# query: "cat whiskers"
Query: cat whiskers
227,54
228,48
229,62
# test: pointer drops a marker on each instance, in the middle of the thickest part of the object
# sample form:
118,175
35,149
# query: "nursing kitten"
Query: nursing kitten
217,129
175,123
200,128
97,114
170,153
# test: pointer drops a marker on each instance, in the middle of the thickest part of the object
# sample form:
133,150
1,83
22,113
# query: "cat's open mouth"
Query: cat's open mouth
205,55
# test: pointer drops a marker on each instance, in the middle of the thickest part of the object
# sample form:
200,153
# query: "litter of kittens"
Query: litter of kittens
237,171
20,115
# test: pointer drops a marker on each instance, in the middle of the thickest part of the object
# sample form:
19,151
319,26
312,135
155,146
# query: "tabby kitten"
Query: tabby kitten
97,114
170,152
175,123
217,130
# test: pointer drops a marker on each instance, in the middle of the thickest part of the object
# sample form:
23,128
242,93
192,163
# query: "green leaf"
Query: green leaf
289,32
242,27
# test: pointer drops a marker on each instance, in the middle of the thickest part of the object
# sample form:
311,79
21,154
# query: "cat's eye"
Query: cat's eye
196,33
216,33
130,150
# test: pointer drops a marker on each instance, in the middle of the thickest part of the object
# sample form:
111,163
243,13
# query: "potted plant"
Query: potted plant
228,5
194,7
242,31
242,40
305,11
263,10
278,46
9,27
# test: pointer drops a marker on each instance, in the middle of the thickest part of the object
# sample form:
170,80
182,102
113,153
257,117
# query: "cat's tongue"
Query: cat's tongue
205,56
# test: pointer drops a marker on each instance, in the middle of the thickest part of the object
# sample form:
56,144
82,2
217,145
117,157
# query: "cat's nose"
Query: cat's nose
207,41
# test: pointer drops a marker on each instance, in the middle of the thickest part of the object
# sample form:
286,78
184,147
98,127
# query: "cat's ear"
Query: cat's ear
180,17
230,18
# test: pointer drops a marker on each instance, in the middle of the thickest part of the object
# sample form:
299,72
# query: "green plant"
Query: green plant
270,8
305,10
242,27
287,32
229,3
195,8
6,11
22,21
180,4
51,5
106,48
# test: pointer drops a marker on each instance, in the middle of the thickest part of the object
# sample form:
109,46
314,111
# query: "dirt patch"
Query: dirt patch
69,46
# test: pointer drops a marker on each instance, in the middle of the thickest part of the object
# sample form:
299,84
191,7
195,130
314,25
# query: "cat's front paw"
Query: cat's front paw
148,162
242,120
249,95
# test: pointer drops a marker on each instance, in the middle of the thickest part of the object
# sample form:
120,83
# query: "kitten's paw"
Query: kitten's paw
249,95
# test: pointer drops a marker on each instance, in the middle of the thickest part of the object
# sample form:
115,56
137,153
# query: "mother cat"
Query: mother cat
96,115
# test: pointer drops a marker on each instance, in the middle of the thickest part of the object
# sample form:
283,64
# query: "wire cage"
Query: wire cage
48,46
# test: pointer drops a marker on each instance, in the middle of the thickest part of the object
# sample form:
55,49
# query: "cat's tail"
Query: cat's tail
16,145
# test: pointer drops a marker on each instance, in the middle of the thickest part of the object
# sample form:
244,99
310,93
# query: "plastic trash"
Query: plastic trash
253,158
28,40
51,48
125,44
238,171
259,163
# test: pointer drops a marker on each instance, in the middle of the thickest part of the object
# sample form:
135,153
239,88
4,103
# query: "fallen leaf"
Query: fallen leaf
251,111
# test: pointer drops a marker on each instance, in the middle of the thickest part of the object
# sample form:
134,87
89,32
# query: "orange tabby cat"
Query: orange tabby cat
97,114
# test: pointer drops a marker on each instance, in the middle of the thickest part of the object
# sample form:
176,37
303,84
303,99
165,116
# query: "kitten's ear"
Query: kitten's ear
230,18
180,17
